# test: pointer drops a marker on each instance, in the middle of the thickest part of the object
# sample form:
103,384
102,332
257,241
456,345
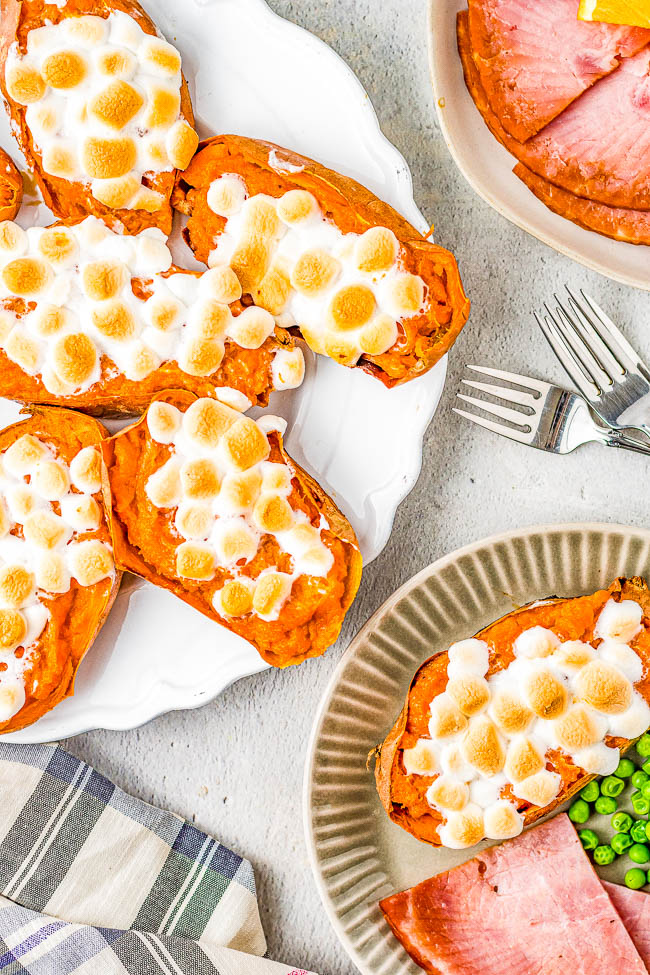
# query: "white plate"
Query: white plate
487,166
357,854
255,74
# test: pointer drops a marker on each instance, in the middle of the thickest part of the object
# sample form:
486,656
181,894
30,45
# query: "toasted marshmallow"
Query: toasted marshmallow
252,328
598,759
44,529
448,794
24,83
623,658
16,586
226,195
58,246
573,655
446,717
206,421
463,829
50,480
535,642
377,250
244,444
271,592
163,488
13,629
420,759
200,480
86,470
502,821
81,512
23,455
90,562
604,687
633,722
470,693
51,573
194,521
236,598
620,621
74,357
26,277
163,421
545,694
578,728
482,747
195,560
539,789
234,542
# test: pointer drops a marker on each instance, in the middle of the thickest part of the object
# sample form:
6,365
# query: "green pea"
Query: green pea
625,768
646,766
647,830
640,804
635,878
612,786
622,822
603,855
639,778
643,746
638,832
588,838
639,853
621,842
591,791
579,811
605,805
645,790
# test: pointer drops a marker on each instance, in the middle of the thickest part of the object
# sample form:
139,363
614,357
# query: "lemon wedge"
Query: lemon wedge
636,13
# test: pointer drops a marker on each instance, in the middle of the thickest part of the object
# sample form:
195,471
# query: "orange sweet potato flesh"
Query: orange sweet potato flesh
11,187
423,339
76,616
403,797
247,370
145,542
70,201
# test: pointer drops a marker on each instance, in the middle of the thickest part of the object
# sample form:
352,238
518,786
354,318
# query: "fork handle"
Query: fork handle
627,443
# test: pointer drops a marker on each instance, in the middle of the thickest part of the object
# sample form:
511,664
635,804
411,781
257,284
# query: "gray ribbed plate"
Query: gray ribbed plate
358,856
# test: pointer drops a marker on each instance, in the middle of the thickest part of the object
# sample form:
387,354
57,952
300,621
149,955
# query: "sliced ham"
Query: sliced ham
535,58
533,906
599,148
631,226
633,908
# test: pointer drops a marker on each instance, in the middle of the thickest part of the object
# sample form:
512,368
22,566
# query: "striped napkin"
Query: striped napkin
95,881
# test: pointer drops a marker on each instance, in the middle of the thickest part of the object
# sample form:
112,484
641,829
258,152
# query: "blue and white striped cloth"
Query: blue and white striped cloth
95,881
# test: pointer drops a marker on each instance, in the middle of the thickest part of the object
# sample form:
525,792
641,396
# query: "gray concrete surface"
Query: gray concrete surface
235,767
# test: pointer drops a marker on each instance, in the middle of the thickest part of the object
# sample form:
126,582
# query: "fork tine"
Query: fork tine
569,361
512,377
495,409
503,431
604,324
582,346
610,360
505,393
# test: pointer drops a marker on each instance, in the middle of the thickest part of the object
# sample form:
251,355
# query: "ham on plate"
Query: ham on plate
599,148
633,908
533,906
631,226
535,58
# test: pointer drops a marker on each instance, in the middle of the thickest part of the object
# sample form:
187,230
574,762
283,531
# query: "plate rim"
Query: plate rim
387,606
555,243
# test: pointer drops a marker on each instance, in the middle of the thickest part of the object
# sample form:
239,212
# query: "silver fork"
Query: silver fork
552,418
600,361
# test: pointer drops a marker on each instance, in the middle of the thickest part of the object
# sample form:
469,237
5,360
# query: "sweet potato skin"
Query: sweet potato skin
310,620
11,187
78,615
73,202
247,370
425,339
391,780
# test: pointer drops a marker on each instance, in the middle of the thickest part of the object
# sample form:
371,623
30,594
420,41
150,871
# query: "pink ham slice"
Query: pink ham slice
599,148
535,57
533,906
633,908
630,226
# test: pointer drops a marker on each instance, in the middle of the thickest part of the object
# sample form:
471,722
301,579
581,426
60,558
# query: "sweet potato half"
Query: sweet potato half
11,187
403,796
146,542
77,615
425,336
72,201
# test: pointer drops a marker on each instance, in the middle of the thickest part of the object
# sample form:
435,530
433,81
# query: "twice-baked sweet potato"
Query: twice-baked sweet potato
57,574
324,255
207,503
102,322
99,107
11,187
502,728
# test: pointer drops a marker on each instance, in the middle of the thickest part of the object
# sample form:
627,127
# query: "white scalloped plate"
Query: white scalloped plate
357,854
253,73
487,166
